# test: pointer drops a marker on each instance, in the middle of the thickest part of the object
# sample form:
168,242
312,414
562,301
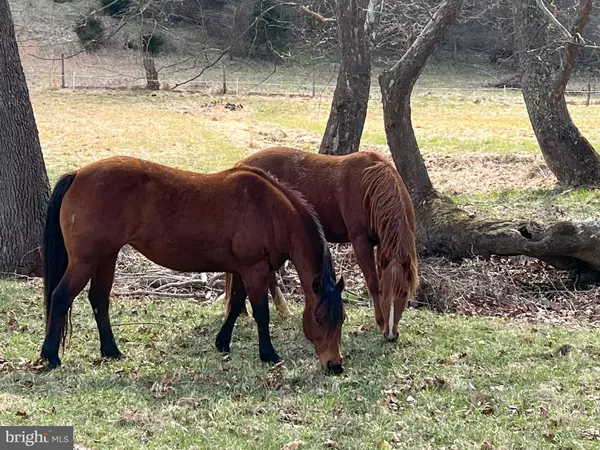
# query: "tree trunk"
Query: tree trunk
443,228
23,181
396,88
151,73
546,65
351,96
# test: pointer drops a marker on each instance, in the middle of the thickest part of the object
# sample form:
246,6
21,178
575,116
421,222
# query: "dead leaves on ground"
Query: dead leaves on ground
22,365
483,402
294,445
160,389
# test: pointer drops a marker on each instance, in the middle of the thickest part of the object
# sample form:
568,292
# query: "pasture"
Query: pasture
451,381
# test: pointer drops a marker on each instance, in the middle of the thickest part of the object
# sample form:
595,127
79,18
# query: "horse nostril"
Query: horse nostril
392,337
335,369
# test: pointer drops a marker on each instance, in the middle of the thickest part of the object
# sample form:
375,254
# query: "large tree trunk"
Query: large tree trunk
546,64
151,73
351,96
442,227
23,181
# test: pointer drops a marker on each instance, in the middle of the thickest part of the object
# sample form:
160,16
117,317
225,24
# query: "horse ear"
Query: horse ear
340,284
318,284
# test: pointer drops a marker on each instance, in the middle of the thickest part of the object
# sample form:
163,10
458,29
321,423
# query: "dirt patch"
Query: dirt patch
235,120
482,173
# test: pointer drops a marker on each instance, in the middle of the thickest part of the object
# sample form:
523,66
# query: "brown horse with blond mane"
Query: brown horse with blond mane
359,198
240,221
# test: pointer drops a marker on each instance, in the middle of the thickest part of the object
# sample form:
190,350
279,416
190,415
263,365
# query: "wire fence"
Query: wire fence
122,71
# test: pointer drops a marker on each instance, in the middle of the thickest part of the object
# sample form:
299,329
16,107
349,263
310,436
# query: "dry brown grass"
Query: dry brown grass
202,133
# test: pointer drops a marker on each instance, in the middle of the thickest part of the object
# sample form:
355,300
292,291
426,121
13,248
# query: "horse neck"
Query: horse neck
307,251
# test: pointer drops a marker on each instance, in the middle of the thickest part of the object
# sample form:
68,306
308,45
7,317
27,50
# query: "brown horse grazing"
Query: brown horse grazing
240,221
359,198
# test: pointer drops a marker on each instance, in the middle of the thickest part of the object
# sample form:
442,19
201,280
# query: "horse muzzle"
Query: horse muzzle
334,369
391,337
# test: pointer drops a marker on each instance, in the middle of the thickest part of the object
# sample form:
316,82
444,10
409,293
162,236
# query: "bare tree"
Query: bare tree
23,180
443,228
548,51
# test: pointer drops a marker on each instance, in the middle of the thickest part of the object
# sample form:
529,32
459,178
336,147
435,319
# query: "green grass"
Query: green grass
559,203
175,391
78,128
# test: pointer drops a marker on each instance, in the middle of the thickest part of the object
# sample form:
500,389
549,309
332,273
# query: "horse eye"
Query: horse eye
319,321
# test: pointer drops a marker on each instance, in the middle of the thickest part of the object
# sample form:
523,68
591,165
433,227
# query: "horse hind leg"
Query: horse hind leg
99,297
236,303
226,296
365,257
71,284
280,304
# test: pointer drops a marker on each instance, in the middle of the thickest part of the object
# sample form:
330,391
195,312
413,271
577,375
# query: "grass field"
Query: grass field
450,382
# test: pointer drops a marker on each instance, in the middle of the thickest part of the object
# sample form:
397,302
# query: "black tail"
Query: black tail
55,253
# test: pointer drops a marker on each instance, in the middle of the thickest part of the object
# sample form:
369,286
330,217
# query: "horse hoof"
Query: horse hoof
222,346
112,353
271,358
53,363
53,360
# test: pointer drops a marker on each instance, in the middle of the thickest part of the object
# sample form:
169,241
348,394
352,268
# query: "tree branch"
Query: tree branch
554,20
314,14
252,25
428,39
574,44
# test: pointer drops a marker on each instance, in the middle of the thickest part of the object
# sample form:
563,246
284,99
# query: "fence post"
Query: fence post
589,91
237,86
224,79
314,78
62,71
73,81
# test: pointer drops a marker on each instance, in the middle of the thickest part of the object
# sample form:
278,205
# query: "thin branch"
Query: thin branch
314,14
554,20
252,25
573,47
156,294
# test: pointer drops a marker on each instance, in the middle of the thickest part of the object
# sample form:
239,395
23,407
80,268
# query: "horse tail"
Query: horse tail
55,258
392,217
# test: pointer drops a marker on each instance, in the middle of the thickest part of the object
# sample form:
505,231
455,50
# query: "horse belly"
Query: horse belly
190,258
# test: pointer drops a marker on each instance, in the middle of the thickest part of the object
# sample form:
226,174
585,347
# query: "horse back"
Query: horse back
179,219
332,184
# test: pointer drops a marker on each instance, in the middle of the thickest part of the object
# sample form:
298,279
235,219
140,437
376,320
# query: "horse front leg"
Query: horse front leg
236,295
256,282
227,294
365,256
